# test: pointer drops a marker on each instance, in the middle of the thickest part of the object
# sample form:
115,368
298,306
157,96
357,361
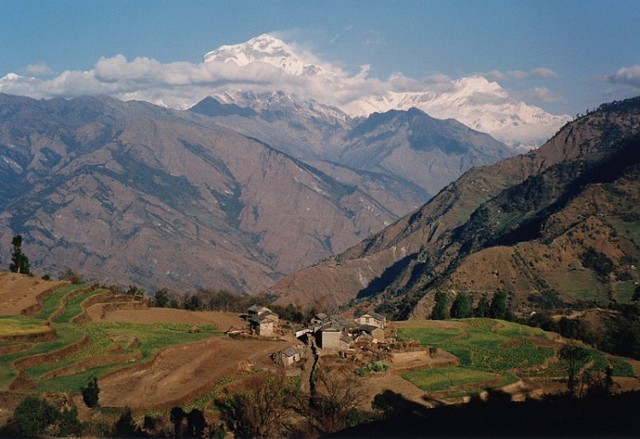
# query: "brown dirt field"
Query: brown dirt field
182,373
18,292
223,320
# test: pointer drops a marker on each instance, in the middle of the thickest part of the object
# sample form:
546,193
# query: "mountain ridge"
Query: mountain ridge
417,254
117,189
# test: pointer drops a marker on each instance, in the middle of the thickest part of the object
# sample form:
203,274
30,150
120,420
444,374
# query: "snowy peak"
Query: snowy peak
265,49
478,103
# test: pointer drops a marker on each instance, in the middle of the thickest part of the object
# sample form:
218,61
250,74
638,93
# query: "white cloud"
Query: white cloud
521,75
543,72
539,94
38,69
182,84
629,76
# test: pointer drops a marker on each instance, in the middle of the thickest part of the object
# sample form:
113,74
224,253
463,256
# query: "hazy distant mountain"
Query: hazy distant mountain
563,219
474,101
241,195
133,193
409,146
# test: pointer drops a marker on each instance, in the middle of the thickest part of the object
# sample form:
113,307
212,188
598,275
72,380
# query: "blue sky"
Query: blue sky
590,50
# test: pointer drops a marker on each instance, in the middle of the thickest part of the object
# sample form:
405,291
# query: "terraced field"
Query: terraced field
76,351
492,354
143,358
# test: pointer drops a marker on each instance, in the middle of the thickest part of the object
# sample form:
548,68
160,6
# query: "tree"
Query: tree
90,393
176,416
335,398
498,307
260,411
482,309
441,308
573,357
196,423
161,298
125,426
34,415
68,423
461,307
19,261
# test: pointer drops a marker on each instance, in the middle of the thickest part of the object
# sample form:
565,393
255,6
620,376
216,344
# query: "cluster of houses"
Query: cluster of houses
340,333
327,332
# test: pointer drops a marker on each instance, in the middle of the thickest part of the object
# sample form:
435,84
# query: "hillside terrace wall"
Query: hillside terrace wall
67,297
51,357
37,307
83,317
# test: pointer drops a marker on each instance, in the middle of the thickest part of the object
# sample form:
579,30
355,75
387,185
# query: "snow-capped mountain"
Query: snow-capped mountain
478,103
268,50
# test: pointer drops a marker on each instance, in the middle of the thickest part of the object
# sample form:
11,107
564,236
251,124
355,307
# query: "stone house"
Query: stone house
289,356
376,333
263,312
263,326
330,337
372,319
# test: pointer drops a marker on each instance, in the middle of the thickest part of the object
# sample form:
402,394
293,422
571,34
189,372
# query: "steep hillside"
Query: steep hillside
526,225
133,193
423,153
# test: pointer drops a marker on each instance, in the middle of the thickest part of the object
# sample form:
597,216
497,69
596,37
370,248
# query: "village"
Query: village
361,339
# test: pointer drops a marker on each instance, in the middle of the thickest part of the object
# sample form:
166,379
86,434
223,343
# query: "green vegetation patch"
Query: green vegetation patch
447,378
151,338
578,284
628,229
488,345
73,307
65,335
75,382
53,301
429,336
600,362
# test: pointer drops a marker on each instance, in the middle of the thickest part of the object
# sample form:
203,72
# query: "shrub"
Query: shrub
90,393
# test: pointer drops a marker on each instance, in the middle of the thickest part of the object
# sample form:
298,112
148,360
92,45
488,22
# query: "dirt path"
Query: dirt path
183,372
18,292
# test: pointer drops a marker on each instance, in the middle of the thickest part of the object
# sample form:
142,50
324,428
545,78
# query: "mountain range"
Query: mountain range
221,195
561,221
475,101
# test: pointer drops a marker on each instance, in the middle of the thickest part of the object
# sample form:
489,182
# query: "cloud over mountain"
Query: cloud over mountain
266,63
627,76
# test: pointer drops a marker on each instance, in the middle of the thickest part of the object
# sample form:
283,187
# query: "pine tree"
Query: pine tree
19,261
441,308
498,307
482,309
461,308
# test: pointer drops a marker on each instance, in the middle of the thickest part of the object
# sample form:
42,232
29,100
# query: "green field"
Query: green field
73,306
448,378
104,340
54,301
493,353
151,338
